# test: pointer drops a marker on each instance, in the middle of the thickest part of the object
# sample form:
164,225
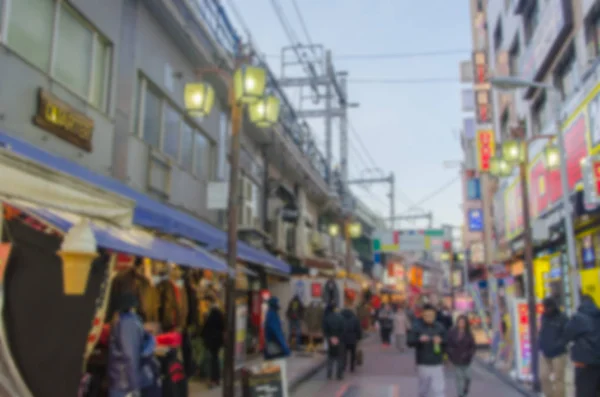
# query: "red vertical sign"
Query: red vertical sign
485,149
597,176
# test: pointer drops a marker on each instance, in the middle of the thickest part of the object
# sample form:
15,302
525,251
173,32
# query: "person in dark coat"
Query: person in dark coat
333,331
385,319
553,357
213,333
428,337
276,344
444,317
352,335
583,329
461,349
295,315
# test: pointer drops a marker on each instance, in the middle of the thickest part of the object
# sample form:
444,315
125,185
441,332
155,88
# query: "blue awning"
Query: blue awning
148,212
132,241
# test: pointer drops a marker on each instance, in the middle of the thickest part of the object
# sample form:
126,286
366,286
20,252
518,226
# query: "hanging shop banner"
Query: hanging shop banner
473,189
241,324
520,319
513,209
476,295
268,379
496,316
486,149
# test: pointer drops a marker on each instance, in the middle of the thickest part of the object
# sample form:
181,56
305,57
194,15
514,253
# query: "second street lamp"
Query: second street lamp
246,87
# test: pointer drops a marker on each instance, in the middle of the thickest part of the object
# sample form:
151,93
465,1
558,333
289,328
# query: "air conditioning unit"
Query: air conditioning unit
278,233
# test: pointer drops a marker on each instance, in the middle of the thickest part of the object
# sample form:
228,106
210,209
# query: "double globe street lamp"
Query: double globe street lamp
516,152
352,230
246,89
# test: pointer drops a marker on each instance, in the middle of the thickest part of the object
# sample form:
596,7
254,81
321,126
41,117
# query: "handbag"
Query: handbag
273,349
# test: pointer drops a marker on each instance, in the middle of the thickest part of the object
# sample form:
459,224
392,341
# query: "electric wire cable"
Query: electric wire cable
397,55
427,80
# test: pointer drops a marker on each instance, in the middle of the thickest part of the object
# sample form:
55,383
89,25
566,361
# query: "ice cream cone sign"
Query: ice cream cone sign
77,252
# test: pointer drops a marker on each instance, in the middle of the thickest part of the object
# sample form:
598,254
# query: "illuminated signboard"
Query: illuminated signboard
486,149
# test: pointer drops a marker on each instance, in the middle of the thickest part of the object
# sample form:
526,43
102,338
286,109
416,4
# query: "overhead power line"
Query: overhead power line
302,22
435,193
397,55
431,80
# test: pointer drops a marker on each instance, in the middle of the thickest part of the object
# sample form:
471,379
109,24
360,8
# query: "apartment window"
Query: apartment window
187,146
592,34
566,76
152,116
531,20
513,58
504,126
201,155
172,123
29,33
498,35
82,57
540,115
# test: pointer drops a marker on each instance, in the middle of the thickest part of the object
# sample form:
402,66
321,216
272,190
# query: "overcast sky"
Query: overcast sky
410,128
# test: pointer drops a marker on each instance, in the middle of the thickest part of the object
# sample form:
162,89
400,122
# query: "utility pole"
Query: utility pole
391,180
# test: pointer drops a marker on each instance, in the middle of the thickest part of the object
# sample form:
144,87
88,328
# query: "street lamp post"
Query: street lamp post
517,152
245,88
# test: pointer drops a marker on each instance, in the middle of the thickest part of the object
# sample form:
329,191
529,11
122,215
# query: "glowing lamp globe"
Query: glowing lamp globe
552,156
249,83
513,151
264,112
199,99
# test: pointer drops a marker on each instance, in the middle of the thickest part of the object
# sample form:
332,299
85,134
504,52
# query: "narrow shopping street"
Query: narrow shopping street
388,373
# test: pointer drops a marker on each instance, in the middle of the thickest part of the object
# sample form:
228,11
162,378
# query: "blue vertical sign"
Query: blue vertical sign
473,189
475,220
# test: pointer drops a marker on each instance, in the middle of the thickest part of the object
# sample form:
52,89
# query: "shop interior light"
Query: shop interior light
249,83
334,229
552,156
354,229
513,151
264,112
199,99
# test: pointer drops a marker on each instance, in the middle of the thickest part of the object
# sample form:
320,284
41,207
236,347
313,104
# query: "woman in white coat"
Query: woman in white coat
400,327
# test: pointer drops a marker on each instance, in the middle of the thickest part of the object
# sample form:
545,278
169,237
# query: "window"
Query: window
567,76
201,155
541,115
592,35
504,126
29,33
513,58
81,60
170,145
249,211
498,35
531,20
73,52
187,146
152,122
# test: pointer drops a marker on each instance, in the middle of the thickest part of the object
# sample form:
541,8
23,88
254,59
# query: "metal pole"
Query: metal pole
348,252
567,210
232,227
392,200
344,132
328,119
531,302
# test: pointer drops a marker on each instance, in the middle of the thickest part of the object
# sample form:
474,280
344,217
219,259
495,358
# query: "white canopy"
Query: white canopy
28,180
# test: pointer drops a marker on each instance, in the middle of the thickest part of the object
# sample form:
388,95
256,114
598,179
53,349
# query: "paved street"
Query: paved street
388,373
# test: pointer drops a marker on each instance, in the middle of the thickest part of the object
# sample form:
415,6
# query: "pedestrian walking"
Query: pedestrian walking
461,349
428,337
386,324
352,335
583,329
295,315
333,331
444,317
275,343
212,334
553,354
400,327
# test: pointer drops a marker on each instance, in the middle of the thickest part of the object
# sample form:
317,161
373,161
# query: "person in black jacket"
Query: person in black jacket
428,337
461,350
352,335
333,331
553,358
583,329
213,334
